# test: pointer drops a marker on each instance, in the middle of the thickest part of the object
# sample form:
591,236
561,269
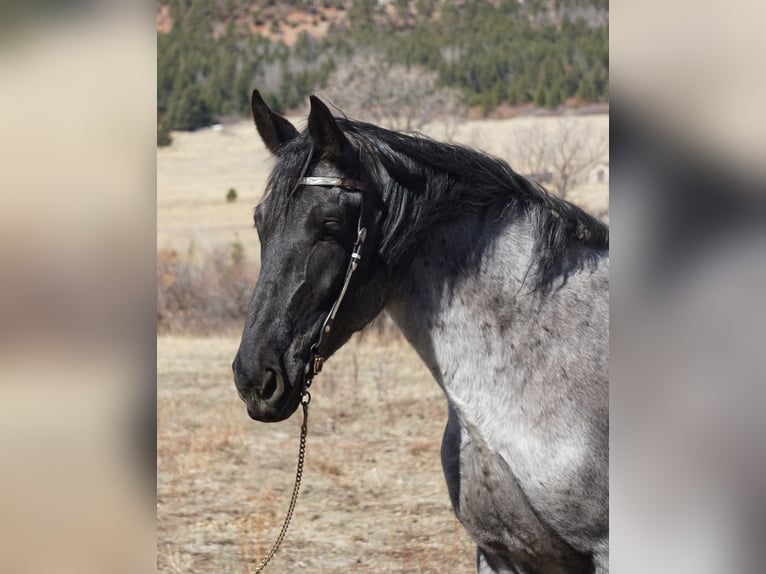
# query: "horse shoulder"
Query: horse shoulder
491,504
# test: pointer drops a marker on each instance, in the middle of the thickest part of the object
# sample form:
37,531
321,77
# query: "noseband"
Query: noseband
318,352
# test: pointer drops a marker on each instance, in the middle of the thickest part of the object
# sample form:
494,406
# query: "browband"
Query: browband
344,182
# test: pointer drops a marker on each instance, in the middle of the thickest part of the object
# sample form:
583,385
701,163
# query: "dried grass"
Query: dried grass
374,497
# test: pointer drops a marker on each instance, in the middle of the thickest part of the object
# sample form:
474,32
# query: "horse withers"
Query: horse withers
500,287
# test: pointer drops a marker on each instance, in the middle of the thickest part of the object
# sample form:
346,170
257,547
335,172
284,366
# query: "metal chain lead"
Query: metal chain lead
316,358
305,400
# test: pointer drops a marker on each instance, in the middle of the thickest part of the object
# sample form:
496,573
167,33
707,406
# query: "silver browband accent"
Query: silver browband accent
334,182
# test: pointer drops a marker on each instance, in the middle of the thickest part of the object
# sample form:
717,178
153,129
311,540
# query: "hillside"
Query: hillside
212,53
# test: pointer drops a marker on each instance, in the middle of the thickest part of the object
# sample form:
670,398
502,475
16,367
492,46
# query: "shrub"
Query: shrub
231,195
237,252
204,297
163,135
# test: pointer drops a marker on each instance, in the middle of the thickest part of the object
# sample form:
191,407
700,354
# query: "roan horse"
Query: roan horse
500,287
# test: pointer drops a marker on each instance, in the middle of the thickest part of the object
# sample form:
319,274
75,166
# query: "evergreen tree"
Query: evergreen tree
489,51
541,96
361,14
163,134
586,89
554,99
191,111
425,8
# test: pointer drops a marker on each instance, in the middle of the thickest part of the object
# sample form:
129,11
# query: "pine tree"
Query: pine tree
555,99
472,48
163,134
586,90
541,96
191,111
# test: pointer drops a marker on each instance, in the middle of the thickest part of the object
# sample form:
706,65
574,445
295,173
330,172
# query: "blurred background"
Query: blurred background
77,334
687,384
110,109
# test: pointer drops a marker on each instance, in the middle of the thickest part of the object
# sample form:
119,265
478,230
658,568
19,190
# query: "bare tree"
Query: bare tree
392,95
559,155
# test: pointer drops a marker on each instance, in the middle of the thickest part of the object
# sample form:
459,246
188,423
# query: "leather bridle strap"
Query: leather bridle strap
342,182
319,349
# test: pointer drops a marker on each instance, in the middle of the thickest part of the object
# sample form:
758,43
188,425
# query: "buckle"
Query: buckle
318,363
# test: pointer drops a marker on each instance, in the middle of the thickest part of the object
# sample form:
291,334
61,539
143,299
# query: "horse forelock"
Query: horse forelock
282,184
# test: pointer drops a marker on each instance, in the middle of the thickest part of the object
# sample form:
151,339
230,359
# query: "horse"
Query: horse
501,288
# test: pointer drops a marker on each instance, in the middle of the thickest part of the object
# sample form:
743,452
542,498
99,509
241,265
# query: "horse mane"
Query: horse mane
429,182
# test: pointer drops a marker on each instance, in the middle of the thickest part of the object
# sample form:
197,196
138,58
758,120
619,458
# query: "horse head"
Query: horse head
320,195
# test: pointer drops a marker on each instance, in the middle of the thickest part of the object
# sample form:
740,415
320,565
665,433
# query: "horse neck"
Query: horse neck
460,274
468,306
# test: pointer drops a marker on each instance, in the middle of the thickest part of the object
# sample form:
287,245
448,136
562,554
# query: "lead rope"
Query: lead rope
305,400
313,368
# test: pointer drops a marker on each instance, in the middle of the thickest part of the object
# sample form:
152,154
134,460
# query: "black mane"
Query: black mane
429,182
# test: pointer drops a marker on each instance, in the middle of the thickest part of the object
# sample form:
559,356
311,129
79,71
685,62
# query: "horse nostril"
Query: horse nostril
269,384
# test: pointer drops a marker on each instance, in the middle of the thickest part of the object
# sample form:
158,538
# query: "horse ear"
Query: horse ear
324,130
275,130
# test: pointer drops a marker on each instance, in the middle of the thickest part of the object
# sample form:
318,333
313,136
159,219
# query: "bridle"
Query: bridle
319,349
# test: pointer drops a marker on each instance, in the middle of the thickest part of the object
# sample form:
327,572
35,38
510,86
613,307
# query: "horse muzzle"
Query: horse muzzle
265,392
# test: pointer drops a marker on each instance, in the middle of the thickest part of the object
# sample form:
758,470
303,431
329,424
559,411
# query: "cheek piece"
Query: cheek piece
318,351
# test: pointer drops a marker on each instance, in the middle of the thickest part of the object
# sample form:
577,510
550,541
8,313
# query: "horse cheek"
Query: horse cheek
323,271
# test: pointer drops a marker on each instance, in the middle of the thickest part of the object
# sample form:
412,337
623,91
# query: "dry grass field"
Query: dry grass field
373,497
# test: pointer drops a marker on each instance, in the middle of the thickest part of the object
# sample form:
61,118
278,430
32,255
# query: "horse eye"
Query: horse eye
332,228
